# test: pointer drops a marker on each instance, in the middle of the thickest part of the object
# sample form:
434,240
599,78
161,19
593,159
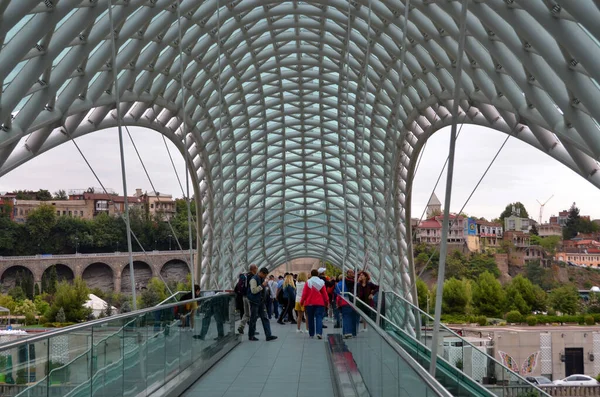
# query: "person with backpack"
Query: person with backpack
256,298
241,289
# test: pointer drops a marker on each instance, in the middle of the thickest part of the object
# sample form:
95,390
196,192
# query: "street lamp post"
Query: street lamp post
169,242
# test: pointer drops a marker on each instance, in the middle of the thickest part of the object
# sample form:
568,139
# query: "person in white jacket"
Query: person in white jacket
302,277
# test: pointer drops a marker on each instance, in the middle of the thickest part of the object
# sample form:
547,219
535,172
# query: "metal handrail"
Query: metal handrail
510,371
91,349
77,327
171,297
424,375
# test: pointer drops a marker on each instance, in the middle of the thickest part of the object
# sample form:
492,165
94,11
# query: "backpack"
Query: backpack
242,286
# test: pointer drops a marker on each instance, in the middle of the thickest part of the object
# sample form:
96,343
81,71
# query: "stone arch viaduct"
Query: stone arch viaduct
108,271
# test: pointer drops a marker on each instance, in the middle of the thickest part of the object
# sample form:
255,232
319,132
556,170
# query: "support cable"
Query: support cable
116,209
187,152
155,193
471,194
121,151
462,33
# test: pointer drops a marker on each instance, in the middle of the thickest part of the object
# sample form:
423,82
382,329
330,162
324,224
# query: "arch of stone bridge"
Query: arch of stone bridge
8,277
100,275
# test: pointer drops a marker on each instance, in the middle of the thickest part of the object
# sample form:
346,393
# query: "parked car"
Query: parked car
577,380
538,380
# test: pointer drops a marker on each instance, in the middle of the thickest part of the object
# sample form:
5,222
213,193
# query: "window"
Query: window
151,205
80,213
57,213
70,213
64,212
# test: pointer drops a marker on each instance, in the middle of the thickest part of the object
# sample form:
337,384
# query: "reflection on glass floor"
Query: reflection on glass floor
292,365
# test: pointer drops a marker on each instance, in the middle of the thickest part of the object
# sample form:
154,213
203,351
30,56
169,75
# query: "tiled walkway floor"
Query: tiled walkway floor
291,366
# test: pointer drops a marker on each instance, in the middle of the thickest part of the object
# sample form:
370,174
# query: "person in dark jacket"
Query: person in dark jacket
365,292
289,292
256,297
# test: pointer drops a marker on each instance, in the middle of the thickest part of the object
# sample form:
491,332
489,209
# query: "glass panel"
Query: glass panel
462,367
132,354
70,363
383,370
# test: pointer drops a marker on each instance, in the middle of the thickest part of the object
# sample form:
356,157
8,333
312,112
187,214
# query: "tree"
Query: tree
39,224
24,280
423,294
61,195
71,299
61,317
24,307
50,280
508,211
565,299
534,230
480,263
456,296
332,271
43,195
571,227
8,302
488,295
154,293
41,304
456,265
587,226
125,307
538,275
520,295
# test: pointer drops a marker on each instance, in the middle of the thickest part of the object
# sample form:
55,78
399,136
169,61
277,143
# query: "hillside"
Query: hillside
582,278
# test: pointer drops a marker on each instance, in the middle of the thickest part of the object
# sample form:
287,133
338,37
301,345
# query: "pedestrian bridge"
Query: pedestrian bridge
151,353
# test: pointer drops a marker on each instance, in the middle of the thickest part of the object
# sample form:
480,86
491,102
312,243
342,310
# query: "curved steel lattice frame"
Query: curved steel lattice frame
281,108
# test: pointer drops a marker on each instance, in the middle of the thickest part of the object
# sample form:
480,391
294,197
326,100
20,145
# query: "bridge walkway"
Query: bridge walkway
292,365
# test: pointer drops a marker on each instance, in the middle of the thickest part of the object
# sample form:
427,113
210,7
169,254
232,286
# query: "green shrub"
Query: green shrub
532,320
482,320
513,316
29,318
589,320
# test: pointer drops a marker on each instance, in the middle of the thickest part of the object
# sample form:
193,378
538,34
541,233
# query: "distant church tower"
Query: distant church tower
434,206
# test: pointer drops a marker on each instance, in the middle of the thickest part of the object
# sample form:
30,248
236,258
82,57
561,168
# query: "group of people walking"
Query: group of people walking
310,298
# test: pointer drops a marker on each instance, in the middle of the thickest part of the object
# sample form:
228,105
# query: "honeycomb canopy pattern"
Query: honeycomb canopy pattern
302,121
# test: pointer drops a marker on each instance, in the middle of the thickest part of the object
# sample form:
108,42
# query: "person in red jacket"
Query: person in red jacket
315,300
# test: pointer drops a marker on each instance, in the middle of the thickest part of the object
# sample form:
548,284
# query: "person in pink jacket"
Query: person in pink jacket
315,300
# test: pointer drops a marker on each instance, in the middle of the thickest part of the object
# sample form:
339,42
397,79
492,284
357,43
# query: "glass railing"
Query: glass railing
130,354
468,364
388,370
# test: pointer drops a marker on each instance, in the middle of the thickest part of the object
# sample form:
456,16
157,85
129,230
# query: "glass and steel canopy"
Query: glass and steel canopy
301,121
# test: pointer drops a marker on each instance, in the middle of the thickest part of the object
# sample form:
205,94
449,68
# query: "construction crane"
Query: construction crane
542,208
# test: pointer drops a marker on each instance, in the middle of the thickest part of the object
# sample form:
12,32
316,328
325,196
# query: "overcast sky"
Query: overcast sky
521,173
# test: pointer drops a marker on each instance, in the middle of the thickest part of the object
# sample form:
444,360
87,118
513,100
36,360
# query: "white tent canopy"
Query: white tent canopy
97,305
